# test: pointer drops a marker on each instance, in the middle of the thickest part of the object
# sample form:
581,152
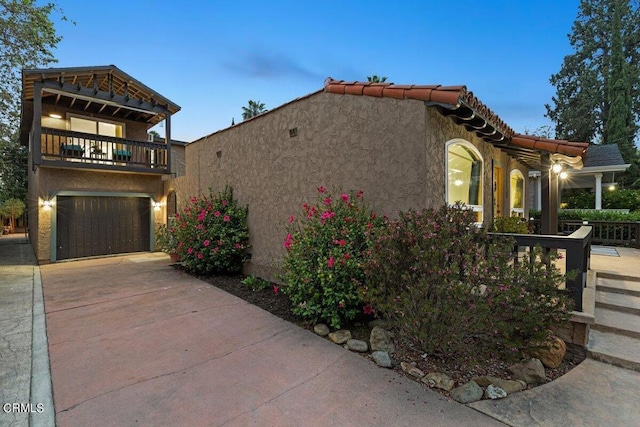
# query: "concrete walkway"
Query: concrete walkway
25,384
134,342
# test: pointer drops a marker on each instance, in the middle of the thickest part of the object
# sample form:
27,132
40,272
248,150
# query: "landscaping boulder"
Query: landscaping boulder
357,345
467,393
531,372
321,329
552,353
340,337
382,358
380,340
411,370
492,392
510,386
439,380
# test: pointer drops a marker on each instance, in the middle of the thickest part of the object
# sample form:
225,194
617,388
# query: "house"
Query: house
96,179
599,172
405,146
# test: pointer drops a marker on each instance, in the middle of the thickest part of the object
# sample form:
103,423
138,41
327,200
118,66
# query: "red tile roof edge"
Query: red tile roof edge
454,96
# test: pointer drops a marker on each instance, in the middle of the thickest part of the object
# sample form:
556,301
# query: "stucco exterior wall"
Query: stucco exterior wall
46,183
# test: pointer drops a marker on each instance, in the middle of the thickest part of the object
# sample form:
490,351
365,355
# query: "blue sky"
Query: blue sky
211,57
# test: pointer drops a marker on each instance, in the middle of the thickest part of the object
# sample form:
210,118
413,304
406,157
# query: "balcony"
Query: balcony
66,149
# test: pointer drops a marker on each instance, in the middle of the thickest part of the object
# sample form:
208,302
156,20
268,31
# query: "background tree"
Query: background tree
598,86
12,208
27,40
253,109
376,79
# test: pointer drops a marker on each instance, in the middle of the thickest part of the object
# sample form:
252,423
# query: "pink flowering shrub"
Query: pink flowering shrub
212,234
325,247
453,291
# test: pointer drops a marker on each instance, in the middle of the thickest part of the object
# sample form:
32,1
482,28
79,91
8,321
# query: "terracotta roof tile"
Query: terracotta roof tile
454,98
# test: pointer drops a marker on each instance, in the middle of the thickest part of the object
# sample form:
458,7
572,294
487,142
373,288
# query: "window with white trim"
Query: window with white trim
516,196
464,175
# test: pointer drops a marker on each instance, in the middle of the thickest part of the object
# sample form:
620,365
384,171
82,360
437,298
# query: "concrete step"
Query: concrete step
619,302
618,286
618,322
615,349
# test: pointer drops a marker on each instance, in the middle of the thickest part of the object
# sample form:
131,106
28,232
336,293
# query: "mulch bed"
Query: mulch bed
460,371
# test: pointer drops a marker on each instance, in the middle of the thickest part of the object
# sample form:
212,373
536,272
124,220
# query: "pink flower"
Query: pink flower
327,215
346,256
321,189
199,227
206,243
214,250
327,201
275,289
330,262
359,194
238,246
287,241
291,219
226,218
216,214
190,251
305,206
194,199
367,309
340,242
345,197
225,203
219,242
200,256
311,212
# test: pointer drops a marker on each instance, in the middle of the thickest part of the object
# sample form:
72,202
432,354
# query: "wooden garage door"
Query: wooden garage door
92,225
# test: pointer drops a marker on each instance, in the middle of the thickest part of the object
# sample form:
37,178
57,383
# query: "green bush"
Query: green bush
617,199
452,291
510,225
167,238
591,215
212,234
325,251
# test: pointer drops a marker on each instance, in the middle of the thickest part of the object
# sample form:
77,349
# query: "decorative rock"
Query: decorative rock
531,372
552,353
411,370
321,329
381,340
439,380
382,358
384,324
467,393
510,386
357,345
340,337
492,392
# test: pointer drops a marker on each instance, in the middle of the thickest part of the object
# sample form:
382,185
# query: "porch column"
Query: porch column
538,193
549,194
598,191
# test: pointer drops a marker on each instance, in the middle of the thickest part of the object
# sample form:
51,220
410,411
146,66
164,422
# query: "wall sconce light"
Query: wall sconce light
47,204
612,187
55,116
563,175
557,167
156,206
458,182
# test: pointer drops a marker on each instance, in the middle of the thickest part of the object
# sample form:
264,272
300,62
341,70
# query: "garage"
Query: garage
101,225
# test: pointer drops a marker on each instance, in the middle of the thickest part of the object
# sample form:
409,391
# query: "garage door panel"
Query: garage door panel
95,225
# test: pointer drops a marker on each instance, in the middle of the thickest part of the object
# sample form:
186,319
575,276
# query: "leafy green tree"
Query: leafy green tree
13,171
12,208
253,109
28,38
376,79
598,86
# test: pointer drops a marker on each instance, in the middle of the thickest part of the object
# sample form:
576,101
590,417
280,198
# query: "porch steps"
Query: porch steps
614,337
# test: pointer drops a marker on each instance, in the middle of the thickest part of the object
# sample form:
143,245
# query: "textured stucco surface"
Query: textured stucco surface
393,150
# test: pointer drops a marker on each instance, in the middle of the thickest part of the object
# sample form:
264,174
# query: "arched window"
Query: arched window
517,193
464,175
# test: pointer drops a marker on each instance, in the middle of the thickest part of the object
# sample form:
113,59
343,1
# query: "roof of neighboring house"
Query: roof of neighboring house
104,89
467,110
604,155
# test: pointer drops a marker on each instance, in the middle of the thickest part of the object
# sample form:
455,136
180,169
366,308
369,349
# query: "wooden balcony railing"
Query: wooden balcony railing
101,152
578,254
612,233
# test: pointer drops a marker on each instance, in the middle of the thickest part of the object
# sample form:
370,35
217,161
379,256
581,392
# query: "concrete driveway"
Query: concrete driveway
134,342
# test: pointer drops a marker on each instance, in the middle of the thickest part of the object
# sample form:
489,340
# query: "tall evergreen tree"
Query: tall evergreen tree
598,86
